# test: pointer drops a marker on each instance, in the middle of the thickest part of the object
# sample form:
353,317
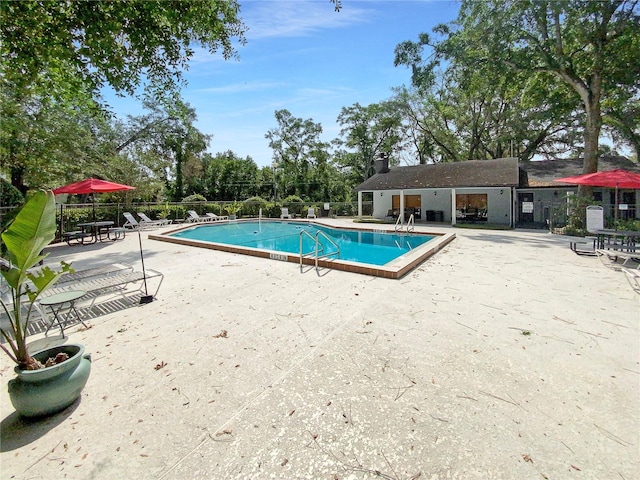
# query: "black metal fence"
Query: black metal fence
68,216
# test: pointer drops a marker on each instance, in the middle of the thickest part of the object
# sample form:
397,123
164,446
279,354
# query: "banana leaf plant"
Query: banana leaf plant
30,232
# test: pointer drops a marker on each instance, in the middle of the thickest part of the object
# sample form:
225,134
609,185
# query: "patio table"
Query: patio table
57,302
96,230
608,238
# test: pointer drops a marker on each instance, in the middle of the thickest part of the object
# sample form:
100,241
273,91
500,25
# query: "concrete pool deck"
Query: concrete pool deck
505,355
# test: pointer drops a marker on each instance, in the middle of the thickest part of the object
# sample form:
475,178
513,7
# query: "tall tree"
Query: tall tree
229,177
370,131
57,53
43,140
590,46
52,42
297,150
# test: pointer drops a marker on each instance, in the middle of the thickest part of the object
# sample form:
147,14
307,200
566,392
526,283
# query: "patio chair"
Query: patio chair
615,259
311,213
153,223
123,281
284,213
217,218
195,218
633,276
131,222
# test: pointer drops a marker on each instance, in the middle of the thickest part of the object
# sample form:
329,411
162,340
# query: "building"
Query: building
499,192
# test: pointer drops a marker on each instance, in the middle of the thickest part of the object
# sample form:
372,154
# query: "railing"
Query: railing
398,225
318,251
411,224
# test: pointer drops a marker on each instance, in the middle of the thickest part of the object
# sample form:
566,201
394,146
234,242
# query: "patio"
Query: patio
505,355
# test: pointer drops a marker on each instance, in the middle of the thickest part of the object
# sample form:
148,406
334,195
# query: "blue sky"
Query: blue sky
304,57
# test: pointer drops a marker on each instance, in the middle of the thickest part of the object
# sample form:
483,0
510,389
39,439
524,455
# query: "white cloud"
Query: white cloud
242,87
294,18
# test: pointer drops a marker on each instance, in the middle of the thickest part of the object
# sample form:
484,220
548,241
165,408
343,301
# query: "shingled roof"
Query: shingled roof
501,172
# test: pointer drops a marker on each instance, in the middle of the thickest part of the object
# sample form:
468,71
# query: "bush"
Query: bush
194,198
294,203
251,206
10,196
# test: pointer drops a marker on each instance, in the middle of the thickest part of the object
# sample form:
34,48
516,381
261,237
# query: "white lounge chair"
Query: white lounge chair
284,213
217,218
311,213
615,259
195,218
131,222
633,276
153,223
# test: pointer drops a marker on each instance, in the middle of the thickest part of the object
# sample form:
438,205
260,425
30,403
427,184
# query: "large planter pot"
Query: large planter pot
35,393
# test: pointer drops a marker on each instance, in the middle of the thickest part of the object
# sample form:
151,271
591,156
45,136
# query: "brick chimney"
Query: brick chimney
382,163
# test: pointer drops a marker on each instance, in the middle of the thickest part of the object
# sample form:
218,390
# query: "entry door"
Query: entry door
525,207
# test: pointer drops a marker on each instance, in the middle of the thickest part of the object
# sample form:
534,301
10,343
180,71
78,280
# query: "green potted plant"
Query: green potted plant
50,380
232,210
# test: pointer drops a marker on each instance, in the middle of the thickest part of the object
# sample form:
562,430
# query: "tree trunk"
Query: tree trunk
591,137
17,178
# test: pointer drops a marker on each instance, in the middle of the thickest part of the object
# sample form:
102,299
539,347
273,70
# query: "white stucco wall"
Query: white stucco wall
498,202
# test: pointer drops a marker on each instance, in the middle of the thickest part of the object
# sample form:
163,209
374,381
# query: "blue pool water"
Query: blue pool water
357,246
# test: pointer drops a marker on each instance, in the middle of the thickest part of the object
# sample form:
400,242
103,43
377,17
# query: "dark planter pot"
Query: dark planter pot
35,393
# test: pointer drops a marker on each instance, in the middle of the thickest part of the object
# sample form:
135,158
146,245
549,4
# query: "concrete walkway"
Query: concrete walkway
504,356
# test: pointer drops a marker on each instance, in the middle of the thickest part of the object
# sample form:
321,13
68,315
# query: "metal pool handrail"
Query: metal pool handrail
319,247
411,224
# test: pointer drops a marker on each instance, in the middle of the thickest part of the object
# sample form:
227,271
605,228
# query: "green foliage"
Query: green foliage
577,219
55,58
523,76
629,225
9,195
233,208
119,43
371,131
227,176
294,203
292,199
196,197
32,230
585,47
251,206
297,153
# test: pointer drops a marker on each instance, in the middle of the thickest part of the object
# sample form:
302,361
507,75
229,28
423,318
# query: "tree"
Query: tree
57,55
297,151
229,177
370,131
91,44
591,47
44,140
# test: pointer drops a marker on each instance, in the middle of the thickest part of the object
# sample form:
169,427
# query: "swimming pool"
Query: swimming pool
373,252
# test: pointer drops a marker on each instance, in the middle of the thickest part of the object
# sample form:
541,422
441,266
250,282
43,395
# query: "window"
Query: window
471,206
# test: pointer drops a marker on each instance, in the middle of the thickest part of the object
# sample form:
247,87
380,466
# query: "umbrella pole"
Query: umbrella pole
146,298
615,214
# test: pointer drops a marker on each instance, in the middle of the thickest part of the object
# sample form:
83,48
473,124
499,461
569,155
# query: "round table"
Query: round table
57,302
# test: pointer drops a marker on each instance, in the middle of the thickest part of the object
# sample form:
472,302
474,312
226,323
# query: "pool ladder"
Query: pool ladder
411,224
318,251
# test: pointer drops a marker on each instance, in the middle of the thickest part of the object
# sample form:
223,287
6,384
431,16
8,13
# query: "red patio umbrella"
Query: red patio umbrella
92,185
612,178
